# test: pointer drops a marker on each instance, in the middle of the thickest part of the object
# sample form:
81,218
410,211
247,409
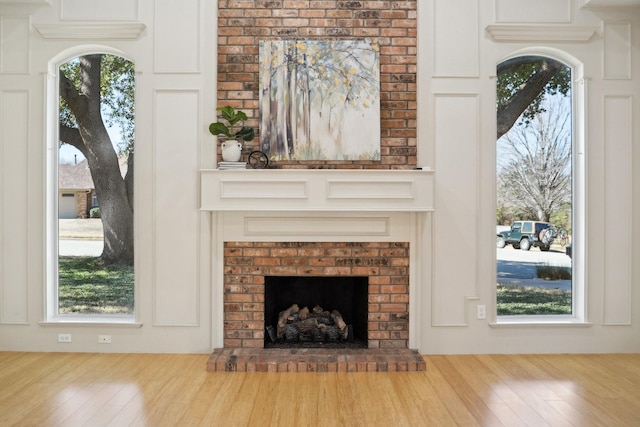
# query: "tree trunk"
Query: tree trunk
116,214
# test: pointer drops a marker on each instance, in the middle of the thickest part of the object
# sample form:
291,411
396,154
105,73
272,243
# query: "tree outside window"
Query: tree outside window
96,116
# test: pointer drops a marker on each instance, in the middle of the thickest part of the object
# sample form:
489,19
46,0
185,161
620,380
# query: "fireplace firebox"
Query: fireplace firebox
319,302
385,265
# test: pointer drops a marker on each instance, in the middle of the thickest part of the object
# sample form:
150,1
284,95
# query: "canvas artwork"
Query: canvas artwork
320,100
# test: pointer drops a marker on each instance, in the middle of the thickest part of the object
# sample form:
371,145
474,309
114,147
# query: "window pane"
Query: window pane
95,203
534,189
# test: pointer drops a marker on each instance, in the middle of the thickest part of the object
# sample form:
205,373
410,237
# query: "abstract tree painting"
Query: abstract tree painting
320,100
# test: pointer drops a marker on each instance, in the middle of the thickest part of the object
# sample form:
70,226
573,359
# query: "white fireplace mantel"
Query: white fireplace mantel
320,205
271,190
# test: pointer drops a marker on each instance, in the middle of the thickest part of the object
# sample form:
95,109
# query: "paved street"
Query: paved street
80,237
517,267
80,247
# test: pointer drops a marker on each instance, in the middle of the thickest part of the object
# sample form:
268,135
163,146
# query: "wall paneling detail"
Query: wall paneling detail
177,36
539,11
14,46
617,50
456,201
618,136
14,135
176,217
455,38
99,10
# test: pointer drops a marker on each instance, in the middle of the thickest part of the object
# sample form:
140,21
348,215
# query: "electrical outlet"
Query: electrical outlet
64,337
482,312
104,339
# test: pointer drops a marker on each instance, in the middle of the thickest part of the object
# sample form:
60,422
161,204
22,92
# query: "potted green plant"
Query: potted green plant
231,125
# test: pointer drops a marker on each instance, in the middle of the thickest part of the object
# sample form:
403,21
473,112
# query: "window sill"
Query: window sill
124,322
539,323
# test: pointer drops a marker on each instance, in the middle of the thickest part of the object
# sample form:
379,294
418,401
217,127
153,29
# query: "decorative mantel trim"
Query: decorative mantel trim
540,33
315,190
94,31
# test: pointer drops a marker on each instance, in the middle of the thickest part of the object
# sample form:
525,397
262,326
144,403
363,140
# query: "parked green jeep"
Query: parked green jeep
524,234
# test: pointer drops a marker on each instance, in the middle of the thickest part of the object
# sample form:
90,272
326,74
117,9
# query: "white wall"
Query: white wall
173,46
457,131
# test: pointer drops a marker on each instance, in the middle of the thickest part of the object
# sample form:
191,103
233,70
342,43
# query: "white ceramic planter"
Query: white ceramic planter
231,151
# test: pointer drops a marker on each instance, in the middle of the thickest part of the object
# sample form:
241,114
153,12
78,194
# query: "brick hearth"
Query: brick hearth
315,360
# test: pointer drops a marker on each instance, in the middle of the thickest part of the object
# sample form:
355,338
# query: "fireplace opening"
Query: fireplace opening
327,312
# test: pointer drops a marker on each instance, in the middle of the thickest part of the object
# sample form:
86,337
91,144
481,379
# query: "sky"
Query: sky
68,154
562,105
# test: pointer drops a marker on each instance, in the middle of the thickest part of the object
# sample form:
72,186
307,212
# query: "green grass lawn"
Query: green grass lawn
85,286
514,300
88,287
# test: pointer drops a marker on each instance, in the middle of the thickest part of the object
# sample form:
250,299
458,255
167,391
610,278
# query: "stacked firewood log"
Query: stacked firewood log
316,325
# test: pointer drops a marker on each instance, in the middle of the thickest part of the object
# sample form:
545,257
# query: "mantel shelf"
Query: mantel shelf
92,31
540,33
309,190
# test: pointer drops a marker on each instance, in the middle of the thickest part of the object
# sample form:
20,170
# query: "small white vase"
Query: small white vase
231,151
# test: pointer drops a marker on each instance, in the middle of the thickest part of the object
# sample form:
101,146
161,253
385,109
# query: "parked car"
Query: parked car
525,234
568,250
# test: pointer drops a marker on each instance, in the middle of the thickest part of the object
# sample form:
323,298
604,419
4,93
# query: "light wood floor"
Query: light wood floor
46,389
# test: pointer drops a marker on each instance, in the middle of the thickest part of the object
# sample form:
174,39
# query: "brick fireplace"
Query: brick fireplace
330,207
386,264
318,223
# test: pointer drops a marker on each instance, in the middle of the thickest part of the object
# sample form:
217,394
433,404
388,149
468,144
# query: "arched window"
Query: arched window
540,188
90,157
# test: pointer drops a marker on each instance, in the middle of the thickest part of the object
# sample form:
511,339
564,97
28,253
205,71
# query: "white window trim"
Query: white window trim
50,309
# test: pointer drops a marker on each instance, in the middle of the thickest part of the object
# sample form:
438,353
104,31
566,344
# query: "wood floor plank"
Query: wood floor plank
537,389
112,407
447,393
471,400
530,390
221,403
375,388
422,397
206,391
574,389
285,410
40,389
607,392
482,381
264,405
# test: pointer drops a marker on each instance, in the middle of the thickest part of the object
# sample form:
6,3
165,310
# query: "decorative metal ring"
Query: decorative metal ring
258,160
